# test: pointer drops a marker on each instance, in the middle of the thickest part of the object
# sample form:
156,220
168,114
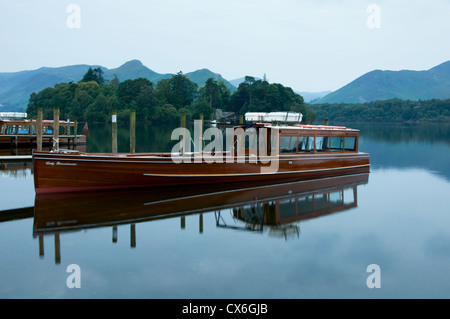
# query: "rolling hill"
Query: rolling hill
405,85
16,87
132,70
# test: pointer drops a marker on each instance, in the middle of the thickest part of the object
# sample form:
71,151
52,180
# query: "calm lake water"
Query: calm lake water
385,235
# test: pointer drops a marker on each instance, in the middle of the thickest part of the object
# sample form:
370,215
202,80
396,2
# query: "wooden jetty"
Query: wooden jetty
23,134
18,132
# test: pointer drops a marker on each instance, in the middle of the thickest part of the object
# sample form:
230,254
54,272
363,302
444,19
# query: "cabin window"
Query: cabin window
322,143
350,144
336,143
306,144
288,144
23,129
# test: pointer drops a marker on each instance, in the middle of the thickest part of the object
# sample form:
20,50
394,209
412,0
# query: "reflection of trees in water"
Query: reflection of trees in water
424,146
402,133
155,137
150,137
15,170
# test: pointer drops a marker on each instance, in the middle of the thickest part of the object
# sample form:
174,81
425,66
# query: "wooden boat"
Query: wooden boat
257,152
21,133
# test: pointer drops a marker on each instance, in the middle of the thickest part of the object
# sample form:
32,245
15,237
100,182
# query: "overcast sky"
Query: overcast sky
313,46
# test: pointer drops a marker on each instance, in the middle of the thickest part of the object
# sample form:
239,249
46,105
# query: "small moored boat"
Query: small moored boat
23,133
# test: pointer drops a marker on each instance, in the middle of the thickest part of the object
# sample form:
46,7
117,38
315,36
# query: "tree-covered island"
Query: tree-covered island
92,99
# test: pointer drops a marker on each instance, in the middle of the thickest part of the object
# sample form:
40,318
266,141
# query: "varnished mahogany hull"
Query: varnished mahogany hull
73,172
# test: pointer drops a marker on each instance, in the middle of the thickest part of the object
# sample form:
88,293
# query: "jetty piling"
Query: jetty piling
114,130
133,235
39,129
114,234
75,130
183,124
55,128
132,131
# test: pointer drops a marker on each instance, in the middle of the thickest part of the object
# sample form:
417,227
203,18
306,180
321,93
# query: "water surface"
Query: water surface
200,248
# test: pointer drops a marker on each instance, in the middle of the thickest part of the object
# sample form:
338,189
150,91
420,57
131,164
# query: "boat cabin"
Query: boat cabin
318,139
298,138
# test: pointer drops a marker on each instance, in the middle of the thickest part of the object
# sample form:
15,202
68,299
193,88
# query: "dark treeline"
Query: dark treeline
394,110
92,99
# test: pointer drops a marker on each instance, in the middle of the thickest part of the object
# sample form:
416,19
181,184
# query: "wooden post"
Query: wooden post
114,234
75,130
183,124
68,127
198,138
114,131
39,130
200,224
132,131
133,235
241,119
57,249
200,142
41,246
68,133
55,128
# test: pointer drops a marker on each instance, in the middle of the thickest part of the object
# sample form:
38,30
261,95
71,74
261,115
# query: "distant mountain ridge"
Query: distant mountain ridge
132,70
16,87
405,85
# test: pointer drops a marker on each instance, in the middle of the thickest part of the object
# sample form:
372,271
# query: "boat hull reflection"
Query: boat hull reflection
55,213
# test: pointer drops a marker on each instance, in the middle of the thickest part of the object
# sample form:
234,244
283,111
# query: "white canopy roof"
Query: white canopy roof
281,117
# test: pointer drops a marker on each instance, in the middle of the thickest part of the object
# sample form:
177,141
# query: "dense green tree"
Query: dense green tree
166,113
95,75
261,96
178,91
394,110
92,100
202,107
216,94
210,91
138,95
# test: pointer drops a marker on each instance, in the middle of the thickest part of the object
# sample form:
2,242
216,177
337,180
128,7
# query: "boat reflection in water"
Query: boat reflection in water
272,209
278,215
